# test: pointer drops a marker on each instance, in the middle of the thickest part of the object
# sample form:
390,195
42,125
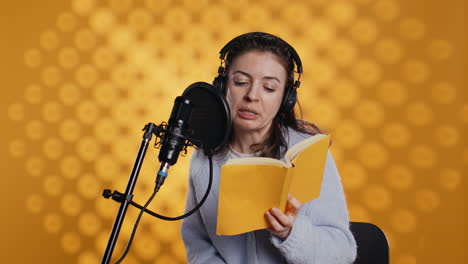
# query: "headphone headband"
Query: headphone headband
297,60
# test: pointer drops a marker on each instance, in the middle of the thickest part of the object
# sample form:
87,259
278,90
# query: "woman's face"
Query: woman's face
255,87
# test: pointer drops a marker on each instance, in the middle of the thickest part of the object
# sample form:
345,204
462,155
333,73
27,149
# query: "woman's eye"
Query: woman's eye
270,90
240,83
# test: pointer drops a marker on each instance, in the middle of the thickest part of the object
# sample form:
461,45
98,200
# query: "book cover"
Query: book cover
251,186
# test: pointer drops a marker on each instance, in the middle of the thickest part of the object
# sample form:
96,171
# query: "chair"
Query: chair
372,244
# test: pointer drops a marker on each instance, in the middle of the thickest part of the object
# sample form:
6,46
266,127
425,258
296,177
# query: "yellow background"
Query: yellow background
79,79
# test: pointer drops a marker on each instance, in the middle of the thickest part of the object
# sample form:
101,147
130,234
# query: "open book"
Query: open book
249,187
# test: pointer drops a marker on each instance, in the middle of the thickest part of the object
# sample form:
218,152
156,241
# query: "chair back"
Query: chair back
372,244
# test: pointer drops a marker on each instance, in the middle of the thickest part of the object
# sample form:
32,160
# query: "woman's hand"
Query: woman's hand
281,223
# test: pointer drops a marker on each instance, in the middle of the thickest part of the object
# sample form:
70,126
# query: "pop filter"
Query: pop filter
210,121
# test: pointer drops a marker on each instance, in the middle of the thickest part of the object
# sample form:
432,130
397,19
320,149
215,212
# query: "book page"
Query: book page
246,193
256,160
296,149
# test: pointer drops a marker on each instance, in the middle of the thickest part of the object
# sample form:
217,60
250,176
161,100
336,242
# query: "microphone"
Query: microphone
175,138
200,117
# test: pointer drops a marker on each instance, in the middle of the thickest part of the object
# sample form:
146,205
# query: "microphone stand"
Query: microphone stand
149,129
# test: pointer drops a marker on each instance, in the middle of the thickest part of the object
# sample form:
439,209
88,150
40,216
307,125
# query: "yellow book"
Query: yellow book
249,187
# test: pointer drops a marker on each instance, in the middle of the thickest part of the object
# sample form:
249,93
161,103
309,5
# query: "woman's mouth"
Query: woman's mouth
247,114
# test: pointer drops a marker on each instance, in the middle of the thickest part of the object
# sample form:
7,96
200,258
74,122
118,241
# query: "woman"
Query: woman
260,89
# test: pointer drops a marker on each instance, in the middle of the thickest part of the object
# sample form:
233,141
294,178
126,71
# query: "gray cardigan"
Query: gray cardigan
320,233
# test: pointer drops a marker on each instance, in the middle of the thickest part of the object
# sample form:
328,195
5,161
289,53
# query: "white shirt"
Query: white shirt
236,155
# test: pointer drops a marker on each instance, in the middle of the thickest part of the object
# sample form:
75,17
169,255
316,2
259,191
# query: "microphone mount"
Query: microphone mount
159,133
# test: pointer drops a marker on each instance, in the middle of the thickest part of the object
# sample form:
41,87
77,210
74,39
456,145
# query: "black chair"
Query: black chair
372,244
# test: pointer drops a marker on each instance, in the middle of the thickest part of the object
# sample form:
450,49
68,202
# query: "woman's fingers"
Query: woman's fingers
284,220
293,205
275,226
281,223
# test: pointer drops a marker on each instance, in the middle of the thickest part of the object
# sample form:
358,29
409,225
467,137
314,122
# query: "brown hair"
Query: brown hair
275,145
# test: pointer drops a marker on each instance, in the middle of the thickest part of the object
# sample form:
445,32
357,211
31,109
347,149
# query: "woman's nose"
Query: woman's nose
252,93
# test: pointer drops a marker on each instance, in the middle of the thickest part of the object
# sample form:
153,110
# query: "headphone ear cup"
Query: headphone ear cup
220,83
289,100
223,84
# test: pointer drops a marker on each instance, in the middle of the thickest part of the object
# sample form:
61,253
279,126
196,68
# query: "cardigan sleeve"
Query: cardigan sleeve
198,245
321,233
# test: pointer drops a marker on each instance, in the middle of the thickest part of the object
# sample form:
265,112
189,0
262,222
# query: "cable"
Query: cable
169,218
135,226
143,209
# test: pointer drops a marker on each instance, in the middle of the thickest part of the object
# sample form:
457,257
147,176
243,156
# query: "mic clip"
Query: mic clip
162,128
184,148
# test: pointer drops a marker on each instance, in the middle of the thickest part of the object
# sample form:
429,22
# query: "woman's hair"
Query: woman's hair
275,145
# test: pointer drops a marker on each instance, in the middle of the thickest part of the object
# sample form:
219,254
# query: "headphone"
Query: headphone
290,93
